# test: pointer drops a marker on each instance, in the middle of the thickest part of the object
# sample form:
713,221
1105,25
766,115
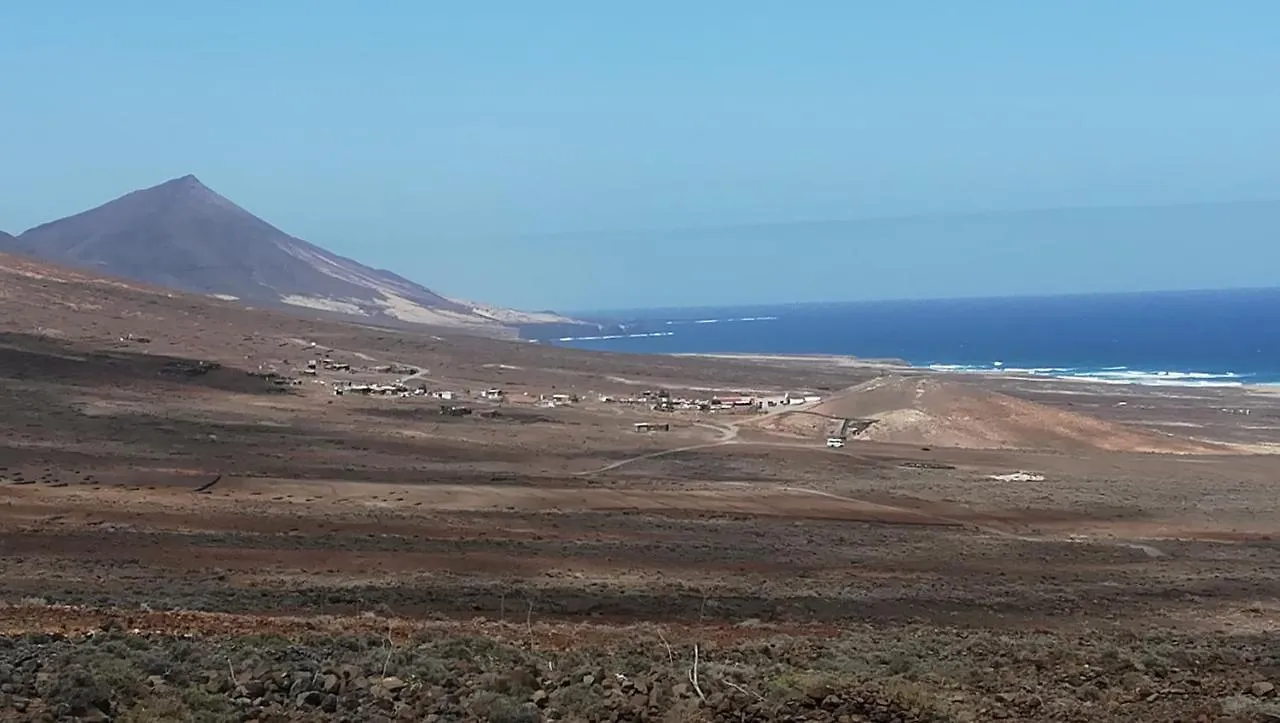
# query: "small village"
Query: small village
662,401
343,379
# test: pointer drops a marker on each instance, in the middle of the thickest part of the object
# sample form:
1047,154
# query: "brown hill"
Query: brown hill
89,311
930,411
183,235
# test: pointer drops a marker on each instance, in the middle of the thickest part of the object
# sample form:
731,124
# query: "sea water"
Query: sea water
1202,338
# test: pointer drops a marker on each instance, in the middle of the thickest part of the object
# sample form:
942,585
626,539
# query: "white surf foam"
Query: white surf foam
734,320
615,336
1106,375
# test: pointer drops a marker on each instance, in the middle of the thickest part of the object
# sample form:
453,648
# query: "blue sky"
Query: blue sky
446,141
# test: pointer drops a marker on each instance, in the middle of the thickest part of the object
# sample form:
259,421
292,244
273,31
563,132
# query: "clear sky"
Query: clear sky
443,140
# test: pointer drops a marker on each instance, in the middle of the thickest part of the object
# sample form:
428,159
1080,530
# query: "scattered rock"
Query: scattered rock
309,699
289,682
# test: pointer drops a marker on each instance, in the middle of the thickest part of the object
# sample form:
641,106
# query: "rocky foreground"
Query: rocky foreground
115,673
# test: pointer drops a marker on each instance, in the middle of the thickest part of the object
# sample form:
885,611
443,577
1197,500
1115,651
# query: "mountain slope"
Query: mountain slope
925,410
183,235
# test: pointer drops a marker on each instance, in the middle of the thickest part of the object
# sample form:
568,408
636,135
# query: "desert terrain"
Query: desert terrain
194,525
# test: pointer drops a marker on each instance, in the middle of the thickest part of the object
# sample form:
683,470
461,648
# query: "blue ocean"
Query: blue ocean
1202,338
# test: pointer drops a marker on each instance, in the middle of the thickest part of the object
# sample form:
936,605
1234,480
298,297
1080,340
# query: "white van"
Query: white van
835,442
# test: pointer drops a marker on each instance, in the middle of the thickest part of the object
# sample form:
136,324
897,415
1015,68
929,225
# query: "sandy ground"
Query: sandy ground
133,478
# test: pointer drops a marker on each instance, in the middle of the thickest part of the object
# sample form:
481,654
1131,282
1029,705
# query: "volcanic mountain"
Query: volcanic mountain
944,413
183,235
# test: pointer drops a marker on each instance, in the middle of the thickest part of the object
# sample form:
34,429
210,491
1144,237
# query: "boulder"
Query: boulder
308,699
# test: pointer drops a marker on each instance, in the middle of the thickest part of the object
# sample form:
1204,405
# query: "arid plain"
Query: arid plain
195,526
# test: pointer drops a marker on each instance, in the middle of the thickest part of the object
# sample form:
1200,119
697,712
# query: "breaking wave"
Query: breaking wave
1175,339
673,322
615,336
1106,375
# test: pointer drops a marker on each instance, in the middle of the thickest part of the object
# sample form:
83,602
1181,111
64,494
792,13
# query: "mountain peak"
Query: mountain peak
188,196
184,235
188,183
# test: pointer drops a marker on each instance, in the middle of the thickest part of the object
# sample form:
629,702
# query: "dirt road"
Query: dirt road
728,435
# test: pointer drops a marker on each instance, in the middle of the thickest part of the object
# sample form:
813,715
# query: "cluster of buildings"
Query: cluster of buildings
662,401
396,389
550,401
314,365
401,389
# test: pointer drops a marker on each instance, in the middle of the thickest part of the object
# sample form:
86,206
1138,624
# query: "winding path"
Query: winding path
728,435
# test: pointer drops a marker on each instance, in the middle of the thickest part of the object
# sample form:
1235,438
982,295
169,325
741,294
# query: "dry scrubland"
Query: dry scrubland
181,540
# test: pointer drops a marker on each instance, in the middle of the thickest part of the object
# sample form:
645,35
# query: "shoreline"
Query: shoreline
1146,380
841,360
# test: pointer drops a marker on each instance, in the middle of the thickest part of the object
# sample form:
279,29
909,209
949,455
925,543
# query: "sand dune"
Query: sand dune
931,411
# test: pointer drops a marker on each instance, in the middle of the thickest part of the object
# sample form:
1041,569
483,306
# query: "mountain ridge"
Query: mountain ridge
181,234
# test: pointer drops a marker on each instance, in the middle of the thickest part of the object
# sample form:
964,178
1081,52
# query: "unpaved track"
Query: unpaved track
728,435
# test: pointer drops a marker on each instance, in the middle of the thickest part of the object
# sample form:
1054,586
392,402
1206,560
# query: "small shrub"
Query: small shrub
498,708
99,682
801,686
158,709
1244,705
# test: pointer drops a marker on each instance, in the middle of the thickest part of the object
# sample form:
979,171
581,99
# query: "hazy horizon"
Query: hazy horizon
1249,223
473,149
658,312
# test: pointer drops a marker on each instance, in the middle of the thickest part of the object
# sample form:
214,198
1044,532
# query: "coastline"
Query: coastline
840,360
1166,341
1143,379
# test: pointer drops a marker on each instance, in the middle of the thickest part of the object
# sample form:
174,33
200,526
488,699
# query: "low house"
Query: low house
652,427
493,395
